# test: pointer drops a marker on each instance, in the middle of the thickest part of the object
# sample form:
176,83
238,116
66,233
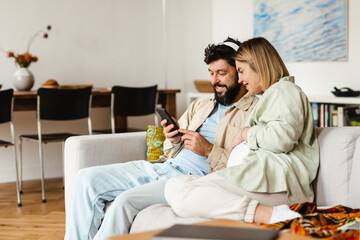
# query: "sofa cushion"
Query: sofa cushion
337,147
354,193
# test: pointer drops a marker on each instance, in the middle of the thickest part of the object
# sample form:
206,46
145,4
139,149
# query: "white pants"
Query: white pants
213,197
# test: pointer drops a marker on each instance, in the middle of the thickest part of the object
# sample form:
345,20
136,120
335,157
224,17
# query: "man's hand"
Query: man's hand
170,135
196,143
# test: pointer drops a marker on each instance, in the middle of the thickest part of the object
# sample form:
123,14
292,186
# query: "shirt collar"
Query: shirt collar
243,104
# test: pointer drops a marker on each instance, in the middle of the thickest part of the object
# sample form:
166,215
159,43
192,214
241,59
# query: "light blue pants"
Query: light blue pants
95,186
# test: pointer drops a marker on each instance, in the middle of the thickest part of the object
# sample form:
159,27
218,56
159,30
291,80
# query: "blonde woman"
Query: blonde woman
273,160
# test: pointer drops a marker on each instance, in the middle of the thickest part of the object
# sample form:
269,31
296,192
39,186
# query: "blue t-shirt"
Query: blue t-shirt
192,163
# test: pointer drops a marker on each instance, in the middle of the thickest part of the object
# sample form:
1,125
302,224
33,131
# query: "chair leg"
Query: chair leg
63,163
42,172
21,166
17,178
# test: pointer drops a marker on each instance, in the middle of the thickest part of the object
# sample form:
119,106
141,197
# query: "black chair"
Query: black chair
131,101
6,109
58,105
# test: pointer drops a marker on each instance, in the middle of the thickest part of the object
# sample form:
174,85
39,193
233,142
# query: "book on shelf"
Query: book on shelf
335,118
341,117
321,114
326,115
330,115
197,232
315,108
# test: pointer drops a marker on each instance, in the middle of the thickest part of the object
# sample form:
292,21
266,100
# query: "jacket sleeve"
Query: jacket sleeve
279,121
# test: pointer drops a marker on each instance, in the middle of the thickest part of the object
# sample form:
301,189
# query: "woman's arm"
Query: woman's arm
279,121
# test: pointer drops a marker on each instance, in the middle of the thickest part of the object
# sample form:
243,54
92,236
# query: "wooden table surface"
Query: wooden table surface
26,101
218,222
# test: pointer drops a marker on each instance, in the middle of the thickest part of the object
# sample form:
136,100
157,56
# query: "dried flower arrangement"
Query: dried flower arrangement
24,60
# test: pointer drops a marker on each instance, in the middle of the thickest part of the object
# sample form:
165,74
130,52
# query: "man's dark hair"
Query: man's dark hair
221,51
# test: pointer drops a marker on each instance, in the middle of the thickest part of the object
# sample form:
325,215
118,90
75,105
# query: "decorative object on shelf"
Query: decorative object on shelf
24,79
51,83
345,92
204,86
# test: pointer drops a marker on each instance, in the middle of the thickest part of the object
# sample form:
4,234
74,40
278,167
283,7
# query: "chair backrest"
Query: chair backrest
64,104
6,105
133,101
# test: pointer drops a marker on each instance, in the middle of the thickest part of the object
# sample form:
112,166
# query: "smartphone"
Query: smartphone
165,115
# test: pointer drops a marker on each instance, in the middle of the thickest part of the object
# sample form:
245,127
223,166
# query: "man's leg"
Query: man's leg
120,215
96,185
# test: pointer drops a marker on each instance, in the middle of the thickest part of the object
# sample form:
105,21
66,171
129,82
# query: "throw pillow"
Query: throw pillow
154,139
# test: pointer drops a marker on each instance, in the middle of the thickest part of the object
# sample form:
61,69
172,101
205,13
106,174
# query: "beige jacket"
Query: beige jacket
234,119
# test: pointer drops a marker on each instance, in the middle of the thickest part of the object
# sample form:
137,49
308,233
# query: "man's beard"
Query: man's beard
230,94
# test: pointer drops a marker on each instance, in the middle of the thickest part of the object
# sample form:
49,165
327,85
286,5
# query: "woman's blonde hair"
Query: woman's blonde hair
263,59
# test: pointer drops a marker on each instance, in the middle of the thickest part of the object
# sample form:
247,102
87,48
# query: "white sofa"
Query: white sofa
337,182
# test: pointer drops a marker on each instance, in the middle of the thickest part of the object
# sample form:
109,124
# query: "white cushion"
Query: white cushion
337,147
354,192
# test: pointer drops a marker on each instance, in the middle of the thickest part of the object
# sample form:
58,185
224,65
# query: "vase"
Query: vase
24,79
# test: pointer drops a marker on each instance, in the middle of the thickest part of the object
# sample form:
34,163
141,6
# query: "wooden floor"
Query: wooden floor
34,220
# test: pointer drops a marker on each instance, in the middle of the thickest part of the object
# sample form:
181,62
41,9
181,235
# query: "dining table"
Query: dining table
26,101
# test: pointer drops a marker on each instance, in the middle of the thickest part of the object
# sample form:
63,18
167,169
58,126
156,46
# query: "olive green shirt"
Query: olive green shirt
233,120
284,151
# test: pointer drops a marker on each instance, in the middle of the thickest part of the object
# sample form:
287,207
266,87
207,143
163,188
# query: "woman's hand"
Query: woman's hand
239,138
169,134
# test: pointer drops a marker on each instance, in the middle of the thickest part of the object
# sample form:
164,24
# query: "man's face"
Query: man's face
223,77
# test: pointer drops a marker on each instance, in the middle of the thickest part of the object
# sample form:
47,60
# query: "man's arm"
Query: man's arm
191,120
196,143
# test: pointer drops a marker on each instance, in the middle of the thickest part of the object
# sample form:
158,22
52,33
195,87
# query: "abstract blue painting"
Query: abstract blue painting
303,30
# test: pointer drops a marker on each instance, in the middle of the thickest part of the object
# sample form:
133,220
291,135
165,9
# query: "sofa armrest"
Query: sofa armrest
354,193
338,171
93,150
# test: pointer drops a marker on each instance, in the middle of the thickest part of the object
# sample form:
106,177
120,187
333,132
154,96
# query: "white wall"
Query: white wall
99,42
189,30
107,42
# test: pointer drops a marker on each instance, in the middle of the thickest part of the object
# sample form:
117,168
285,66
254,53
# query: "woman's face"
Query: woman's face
249,78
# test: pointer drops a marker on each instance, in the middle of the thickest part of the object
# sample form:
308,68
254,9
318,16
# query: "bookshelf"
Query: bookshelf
331,111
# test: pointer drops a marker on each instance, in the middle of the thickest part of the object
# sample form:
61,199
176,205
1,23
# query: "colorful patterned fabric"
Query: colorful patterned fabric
154,139
321,223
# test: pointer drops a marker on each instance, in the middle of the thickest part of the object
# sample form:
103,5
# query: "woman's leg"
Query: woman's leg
213,196
120,215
